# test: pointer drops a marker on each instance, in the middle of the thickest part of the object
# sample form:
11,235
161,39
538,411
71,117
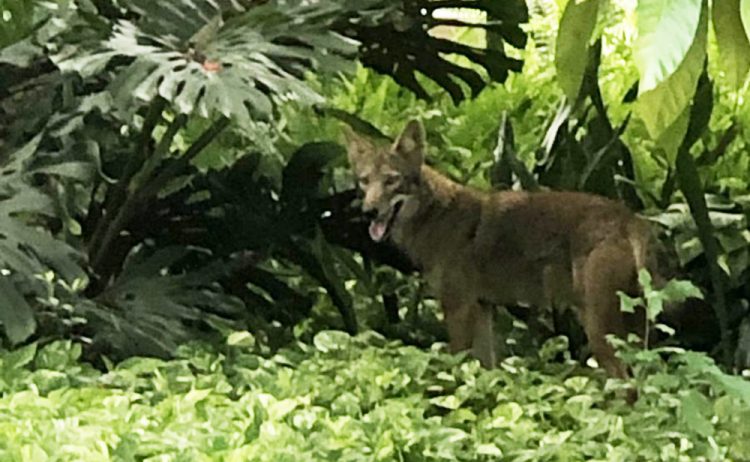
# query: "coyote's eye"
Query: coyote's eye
362,181
392,180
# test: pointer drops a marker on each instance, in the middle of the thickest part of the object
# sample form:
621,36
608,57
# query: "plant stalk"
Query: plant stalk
692,188
139,198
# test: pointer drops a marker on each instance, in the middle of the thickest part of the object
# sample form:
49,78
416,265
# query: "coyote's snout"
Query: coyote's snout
388,176
504,247
380,207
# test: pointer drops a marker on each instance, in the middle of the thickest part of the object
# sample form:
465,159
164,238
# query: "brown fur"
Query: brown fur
504,247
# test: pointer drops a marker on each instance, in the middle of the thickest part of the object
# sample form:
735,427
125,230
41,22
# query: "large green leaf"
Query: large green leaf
666,31
734,46
670,138
572,48
662,105
398,39
210,57
27,249
695,412
146,308
745,16
16,315
16,20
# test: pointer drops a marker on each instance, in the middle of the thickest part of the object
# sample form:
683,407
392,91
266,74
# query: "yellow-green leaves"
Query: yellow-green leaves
230,403
572,48
744,7
666,31
670,53
734,47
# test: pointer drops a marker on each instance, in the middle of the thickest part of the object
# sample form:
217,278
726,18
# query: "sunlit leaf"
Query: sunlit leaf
669,76
572,46
734,47
667,29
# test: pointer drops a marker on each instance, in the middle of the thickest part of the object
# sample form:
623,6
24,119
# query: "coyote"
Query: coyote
480,248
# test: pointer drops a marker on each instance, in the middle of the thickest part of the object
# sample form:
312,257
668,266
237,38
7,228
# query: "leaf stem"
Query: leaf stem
139,198
692,189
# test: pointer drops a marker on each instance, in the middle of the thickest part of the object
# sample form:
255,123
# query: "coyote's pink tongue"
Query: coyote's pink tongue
377,230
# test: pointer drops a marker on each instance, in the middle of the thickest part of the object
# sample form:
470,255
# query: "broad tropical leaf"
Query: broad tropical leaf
217,57
17,20
398,40
16,315
734,46
669,94
745,16
27,249
666,31
145,310
572,50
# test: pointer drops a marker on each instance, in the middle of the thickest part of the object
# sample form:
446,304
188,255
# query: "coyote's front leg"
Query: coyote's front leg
470,326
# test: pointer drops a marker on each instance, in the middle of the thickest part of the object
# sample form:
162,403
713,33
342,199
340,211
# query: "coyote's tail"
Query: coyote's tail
639,236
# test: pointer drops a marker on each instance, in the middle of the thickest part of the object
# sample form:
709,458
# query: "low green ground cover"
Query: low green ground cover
359,399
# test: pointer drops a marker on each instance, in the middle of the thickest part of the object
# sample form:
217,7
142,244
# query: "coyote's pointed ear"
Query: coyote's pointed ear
411,143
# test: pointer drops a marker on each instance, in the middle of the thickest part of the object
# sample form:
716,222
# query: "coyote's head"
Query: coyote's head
388,175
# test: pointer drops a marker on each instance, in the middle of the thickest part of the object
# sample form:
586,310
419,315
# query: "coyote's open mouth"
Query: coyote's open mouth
380,226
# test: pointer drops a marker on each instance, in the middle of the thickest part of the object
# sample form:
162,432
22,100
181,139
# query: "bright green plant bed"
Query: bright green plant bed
358,399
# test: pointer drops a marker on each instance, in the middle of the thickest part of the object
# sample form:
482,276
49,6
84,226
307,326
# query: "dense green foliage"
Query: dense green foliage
180,176
171,172
148,180
360,398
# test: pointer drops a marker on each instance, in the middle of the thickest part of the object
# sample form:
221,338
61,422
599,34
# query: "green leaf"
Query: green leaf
734,386
325,269
59,355
572,47
654,304
628,304
304,171
666,31
645,279
451,402
47,380
152,305
238,61
16,315
505,415
744,16
695,410
20,54
734,46
671,138
241,339
490,450
680,290
662,101
665,329
27,249
33,453
20,357
17,19
398,40
331,340
553,346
